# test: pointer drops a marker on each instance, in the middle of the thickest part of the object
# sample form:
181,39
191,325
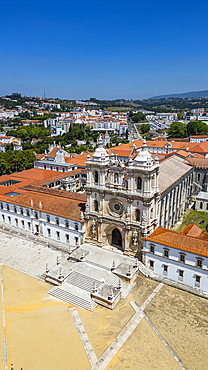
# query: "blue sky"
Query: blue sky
105,49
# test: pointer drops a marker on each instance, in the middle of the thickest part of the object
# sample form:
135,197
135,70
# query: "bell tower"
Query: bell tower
122,199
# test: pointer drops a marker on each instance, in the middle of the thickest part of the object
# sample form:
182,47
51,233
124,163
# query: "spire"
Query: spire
100,142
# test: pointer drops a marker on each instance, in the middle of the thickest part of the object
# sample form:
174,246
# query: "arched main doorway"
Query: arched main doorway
116,238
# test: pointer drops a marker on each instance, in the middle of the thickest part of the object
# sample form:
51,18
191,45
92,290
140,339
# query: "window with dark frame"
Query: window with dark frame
151,264
165,269
199,262
180,274
152,248
166,253
182,258
197,281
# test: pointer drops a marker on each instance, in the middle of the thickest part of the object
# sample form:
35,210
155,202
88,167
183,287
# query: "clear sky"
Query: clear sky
108,49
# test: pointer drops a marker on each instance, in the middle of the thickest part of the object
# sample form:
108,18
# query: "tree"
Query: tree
177,130
145,127
138,117
197,128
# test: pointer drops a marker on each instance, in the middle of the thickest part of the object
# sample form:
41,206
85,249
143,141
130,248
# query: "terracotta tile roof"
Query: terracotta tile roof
171,169
59,206
52,154
200,148
198,162
179,241
191,230
199,136
183,153
40,156
80,160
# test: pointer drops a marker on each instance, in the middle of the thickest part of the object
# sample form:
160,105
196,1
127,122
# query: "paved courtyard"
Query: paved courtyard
155,327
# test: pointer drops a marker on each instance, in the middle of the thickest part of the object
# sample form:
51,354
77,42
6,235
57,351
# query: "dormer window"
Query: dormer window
96,177
139,183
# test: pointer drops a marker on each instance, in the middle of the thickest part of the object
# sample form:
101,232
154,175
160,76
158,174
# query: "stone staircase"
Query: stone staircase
112,280
82,281
73,295
145,270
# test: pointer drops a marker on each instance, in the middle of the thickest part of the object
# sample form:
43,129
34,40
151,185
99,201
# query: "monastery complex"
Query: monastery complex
124,199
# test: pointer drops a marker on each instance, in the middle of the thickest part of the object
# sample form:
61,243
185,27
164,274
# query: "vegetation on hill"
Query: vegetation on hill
27,133
177,130
195,217
197,128
14,161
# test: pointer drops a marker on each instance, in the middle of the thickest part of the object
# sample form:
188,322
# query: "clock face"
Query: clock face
116,207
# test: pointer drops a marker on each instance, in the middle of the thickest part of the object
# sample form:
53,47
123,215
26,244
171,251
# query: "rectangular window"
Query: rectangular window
67,238
37,228
180,275
165,269
2,207
197,281
7,207
16,220
9,218
201,205
182,258
76,227
15,209
67,224
152,248
28,225
36,215
21,211
76,240
23,224
151,264
57,221
3,218
166,253
28,213
199,262
49,233
58,235
48,219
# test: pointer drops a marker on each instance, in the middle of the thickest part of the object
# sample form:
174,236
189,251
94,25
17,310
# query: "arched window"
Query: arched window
138,215
96,177
96,206
139,183
201,205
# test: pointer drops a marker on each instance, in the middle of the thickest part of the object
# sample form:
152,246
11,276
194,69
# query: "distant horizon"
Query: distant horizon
97,98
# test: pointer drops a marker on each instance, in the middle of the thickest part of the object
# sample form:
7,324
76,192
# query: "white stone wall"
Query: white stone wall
31,223
189,268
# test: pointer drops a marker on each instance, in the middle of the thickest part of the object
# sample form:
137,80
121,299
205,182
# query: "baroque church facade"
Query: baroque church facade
122,200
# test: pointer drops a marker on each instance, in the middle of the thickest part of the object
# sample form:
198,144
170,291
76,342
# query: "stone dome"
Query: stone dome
101,154
143,158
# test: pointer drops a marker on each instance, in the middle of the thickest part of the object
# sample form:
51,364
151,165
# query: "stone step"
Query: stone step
112,280
145,270
82,281
72,298
97,265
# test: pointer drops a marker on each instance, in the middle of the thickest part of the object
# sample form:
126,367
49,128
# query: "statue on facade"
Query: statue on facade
93,228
